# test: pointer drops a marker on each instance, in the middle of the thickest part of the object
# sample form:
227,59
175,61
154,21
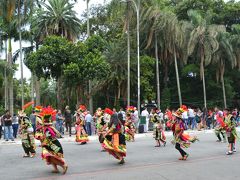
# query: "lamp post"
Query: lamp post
138,53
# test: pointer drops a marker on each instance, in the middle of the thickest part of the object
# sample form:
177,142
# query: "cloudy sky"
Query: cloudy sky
80,7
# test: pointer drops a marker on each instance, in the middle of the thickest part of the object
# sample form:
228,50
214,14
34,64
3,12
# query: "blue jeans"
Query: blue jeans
185,123
34,128
59,126
8,132
89,128
192,121
15,130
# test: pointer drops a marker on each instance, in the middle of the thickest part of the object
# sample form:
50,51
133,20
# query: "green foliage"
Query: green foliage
166,98
148,77
2,110
55,53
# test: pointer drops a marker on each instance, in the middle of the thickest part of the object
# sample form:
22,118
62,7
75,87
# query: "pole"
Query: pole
138,57
21,61
6,79
89,82
157,71
128,60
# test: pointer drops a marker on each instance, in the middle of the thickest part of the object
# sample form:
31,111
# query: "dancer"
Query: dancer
27,135
129,124
102,127
181,139
231,131
52,151
220,127
158,130
81,135
114,142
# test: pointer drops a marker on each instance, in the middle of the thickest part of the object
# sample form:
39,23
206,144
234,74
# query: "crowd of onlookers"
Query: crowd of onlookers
65,122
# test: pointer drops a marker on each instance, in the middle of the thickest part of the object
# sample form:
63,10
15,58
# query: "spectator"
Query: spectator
136,118
198,119
1,124
15,125
204,117
59,122
145,113
123,114
185,119
8,131
68,120
88,119
191,118
209,119
32,118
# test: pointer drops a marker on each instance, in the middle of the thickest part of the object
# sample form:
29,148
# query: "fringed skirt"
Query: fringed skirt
81,135
115,145
53,152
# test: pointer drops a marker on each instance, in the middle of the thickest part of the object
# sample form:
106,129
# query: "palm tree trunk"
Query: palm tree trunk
32,89
59,97
20,56
203,79
11,76
177,77
157,71
224,92
37,83
21,66
119,92
37,90
6,80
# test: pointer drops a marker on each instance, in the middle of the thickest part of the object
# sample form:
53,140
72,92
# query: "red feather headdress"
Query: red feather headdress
108,111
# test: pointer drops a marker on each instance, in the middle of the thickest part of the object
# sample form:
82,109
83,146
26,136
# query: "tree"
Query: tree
235,42
51,58
57,17
223,56
7,10
203,42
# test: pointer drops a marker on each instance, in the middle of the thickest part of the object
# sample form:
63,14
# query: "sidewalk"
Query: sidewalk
95,137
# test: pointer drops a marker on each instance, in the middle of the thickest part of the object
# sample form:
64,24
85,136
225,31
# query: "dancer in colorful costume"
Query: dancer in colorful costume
129,124
230,126
220,127
158,130
181,139
81,135
102,126
52,151
26,131
114,142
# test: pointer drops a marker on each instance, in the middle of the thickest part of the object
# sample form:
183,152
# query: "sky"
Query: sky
80,7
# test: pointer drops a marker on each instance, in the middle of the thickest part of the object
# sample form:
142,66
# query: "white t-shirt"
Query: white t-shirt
185,115
135,116
191,113
145,113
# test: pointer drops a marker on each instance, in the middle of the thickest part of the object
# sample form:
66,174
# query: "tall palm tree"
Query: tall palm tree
165,26
221,57
235,42
203,42
115,56
57,17
7,10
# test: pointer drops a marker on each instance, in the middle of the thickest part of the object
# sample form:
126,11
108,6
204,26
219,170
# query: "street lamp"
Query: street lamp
138,55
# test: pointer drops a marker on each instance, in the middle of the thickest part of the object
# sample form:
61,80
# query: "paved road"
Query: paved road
207,160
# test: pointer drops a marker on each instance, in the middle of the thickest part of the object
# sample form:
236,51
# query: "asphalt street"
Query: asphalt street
207,160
